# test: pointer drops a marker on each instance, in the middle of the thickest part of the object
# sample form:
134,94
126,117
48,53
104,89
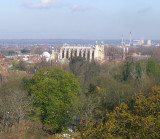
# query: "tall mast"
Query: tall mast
130,38
122,43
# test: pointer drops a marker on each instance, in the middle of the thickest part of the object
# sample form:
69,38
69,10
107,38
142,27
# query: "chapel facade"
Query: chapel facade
89,53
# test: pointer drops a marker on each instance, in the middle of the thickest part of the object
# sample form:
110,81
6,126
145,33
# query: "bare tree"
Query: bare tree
15,106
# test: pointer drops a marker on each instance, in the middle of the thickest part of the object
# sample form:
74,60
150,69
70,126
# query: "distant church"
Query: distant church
67,52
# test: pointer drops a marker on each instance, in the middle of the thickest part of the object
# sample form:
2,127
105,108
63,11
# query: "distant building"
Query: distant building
157,45
135,42
149,43
67,52
136,57
138,42
46,56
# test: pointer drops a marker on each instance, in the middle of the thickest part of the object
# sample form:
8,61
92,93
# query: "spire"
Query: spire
122,40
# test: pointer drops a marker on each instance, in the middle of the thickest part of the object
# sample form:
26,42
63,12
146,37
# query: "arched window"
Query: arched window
88,55
84,54
71,54
75,53
93,55
67,55
63,54
80,53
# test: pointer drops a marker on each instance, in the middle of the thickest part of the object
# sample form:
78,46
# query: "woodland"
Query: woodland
83,99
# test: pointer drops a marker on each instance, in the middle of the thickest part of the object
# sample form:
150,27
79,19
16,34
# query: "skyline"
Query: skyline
85,19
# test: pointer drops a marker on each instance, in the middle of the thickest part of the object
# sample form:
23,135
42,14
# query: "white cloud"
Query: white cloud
41,4
55,3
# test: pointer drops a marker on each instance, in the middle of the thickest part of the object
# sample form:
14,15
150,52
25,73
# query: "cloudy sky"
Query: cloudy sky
79,19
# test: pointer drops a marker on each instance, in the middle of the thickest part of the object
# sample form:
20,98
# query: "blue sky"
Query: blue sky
79,19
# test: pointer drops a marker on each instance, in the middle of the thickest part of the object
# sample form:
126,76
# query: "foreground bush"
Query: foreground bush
142,120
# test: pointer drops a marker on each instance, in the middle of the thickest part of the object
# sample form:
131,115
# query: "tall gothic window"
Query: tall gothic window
63,54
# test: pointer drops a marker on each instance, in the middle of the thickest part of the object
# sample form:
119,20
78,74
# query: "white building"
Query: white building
46,56
149,43
67,52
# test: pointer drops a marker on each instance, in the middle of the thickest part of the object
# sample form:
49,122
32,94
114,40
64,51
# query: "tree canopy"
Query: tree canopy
55,94
24,51
141,120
